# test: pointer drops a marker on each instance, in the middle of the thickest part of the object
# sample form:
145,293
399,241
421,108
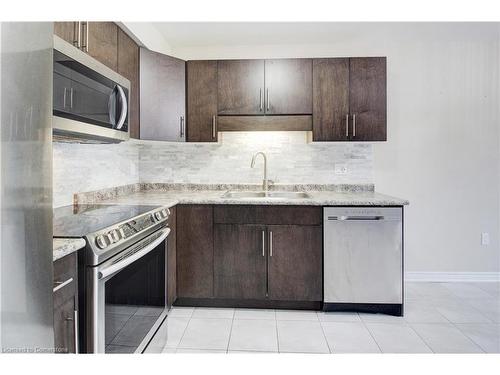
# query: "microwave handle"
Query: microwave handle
112,106
123,115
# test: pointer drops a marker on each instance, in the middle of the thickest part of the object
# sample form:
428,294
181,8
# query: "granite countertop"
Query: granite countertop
170,198
66,246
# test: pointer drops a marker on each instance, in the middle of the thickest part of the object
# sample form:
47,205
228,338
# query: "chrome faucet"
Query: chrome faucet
265,182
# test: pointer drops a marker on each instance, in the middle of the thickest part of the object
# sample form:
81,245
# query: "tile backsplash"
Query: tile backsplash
291,159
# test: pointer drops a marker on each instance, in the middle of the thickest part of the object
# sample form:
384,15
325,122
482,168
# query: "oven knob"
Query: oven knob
153,219
164,213
122,233
101,242
115,235
158,215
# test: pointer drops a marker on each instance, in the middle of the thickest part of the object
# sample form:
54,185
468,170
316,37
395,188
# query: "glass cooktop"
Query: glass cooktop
71,221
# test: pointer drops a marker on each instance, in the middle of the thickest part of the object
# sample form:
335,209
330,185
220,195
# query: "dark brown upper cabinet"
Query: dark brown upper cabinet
240,87
330,99
367,98
128,66
288,87
201,101
163,97
69,31
349,99
100,41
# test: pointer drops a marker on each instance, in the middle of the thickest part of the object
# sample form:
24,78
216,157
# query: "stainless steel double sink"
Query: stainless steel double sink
266,195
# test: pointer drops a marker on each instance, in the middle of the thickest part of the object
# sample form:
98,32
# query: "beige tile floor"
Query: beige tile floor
439,318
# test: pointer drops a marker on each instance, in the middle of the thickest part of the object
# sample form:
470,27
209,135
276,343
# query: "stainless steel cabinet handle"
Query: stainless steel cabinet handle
64,97
347,126
182,126
61,284
354,125
74,319
71,97
261,101
268,100
77,33
87,36
75,322
263,243
270,243
214,119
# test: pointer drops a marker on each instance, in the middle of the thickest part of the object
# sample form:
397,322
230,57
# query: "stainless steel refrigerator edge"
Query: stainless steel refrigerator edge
26,323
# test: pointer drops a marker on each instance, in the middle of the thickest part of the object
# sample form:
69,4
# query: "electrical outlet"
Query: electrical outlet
341,168
485,239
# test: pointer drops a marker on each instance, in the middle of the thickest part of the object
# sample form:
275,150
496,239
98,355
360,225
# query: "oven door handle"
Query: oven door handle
107,271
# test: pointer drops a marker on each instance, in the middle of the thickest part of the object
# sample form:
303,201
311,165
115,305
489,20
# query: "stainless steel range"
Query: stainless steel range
122,273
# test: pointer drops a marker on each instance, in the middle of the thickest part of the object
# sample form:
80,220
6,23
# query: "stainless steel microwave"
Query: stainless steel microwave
90,100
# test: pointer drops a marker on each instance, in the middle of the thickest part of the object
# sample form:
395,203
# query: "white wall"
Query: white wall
443,134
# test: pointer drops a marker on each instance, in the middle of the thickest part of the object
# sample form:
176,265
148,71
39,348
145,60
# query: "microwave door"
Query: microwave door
112,107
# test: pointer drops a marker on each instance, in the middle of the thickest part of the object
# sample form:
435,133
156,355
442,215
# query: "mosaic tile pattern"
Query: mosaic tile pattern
291,159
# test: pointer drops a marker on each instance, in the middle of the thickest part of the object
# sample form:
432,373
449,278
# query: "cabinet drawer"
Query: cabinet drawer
65,279
298,215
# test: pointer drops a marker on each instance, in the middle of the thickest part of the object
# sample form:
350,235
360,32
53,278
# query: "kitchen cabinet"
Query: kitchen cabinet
195,251
172,258
295,271
128,66
69,31
288,86
101,42
201,101
269,253
367,98
331,99
65,296
162,99
349,99
240,261
240,87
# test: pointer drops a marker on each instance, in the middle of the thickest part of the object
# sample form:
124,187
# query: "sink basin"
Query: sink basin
270,194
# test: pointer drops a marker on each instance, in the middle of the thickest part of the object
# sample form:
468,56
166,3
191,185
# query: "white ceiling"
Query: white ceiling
200,34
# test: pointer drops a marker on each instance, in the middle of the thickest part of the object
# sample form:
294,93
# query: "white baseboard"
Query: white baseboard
452,276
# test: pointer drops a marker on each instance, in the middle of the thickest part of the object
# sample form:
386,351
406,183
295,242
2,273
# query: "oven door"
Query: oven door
128,297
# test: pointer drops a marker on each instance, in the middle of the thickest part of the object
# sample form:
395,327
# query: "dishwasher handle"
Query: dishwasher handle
357,218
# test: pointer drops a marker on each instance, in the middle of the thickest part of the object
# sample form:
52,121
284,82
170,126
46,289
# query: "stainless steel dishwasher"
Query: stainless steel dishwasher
363,259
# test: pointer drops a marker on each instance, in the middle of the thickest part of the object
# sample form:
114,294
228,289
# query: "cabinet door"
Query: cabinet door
64,327
100,40
331,99
295,270
172,258
367,98
240,87
239,261
195,252
288,87
201,101
67,31
128,66
163,97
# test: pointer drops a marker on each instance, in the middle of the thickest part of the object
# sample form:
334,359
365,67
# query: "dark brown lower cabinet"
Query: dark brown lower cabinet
66,304
172,258
240,261
195,251
295,270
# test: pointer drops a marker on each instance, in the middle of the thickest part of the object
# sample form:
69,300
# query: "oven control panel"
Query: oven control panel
131,227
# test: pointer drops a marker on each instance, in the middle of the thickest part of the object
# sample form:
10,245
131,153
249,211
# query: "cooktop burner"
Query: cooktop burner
71,221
